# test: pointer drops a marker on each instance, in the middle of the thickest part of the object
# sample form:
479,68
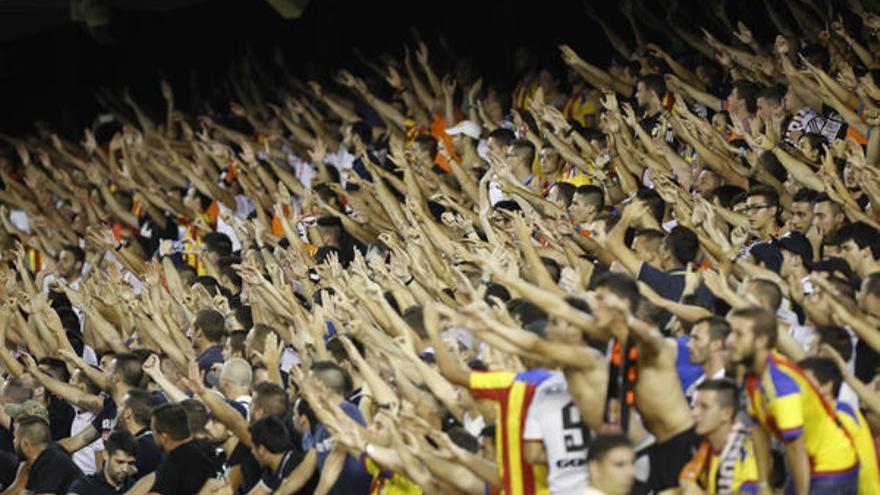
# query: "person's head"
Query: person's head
126,371
522,154
216,245
715,406
31,437
209,328
768,101
859,243
811,145
235,344
611,464
647,244
679,248
762,292
236,377
617,289
828,216
835,337
70,262
707,339
499,140
550,160
561,194
650,91
269,399
586,203
122,451
17,390
197,418
825,375
170,426
271,440
255,342
707,181
743,97
753,330
792,101
802,210
762,207
425,150
137,410
356,135
652,200
869,294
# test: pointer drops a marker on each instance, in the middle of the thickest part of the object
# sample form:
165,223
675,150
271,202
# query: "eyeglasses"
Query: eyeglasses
751,208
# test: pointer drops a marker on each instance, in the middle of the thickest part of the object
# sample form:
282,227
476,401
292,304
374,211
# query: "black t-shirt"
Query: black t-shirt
8,469
149,454
61,416
53,472
251,471
272,480
96,484
184,470
105,420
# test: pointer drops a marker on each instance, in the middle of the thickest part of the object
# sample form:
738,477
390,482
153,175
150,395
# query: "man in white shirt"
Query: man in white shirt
69,268
611,466
555,435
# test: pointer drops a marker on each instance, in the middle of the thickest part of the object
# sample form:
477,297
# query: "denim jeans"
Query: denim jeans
837,486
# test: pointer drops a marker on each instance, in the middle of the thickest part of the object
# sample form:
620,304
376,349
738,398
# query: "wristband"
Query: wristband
411,278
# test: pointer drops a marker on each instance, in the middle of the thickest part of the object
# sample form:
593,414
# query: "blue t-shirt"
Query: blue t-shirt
687,371
669,285
354,478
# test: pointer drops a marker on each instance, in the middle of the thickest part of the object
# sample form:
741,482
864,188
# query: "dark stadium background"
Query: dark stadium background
50,67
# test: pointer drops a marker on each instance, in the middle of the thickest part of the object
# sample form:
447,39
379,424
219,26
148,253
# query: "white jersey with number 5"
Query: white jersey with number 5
554,420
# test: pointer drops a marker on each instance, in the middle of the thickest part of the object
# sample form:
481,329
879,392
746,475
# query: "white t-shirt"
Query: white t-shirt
84,458
555,420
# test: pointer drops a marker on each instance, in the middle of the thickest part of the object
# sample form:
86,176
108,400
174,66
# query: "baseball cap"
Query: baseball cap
467,128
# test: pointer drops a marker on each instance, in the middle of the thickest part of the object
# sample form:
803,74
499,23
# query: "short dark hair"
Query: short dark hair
863,235
824,370
525,311
78,253
872,284
683,243
427,142
211,323
504,136
217,242
763,322
836,337
726,193
728,392
121,440
270,433
772,93
621,285
525,150
748,91
130,367
362,130
565,191
604,443
196,415
656,84
768,193
805,195
653,201
170,419
823,197
57,368
594,195
272,399
719,328
141,403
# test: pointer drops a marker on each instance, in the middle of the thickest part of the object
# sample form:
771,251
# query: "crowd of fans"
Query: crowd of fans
659,276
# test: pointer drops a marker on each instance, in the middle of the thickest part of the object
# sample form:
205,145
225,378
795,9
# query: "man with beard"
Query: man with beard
134,417
706,349
69,269
51,470
781,401
115,478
